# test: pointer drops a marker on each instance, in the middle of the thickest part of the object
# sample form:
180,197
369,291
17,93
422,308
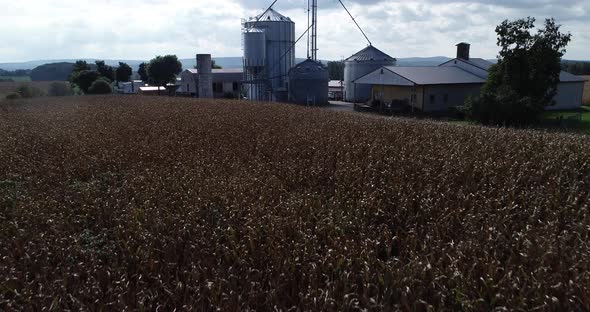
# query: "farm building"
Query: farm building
429,88
153,90
335,90
225,82
437,88
130,87
356,66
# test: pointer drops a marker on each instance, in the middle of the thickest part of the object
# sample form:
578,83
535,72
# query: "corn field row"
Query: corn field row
137,203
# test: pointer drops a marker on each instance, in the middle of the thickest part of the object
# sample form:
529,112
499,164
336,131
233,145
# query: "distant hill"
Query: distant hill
52,72
225,62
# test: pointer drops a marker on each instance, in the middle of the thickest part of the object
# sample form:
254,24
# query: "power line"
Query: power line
357,25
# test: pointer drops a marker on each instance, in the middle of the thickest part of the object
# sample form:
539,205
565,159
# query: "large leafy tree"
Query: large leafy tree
142,72
100,86
163,69
85,78
105,70
123,72
336,70
524,81
78,67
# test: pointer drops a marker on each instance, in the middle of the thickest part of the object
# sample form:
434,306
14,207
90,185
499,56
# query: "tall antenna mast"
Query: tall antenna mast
308,28
314,30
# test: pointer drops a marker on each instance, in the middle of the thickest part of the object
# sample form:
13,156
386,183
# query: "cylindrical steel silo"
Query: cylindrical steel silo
363,62
308,83
254,62
279,33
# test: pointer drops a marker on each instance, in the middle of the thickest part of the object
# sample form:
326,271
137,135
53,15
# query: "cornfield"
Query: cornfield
138,203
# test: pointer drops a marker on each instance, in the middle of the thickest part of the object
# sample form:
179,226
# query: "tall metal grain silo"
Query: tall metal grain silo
361,63
279,32
254,62
308,83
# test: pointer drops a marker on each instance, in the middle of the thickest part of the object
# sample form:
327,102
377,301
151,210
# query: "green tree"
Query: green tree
524,81
100,86
336,70
142,72
163,69
213,65
85,78
78,67
123,72
105,70
26,90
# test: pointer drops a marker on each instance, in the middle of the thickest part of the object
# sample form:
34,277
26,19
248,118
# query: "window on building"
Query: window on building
446,98
217,87
235,86
432,99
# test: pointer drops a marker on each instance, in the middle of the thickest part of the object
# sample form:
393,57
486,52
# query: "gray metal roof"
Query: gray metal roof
485,65
369,53
308,65
567,77
479,62
271,16
435,75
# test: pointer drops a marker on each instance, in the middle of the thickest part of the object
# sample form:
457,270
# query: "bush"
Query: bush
28,91
60,89
505,107
85,79
13,96
100,86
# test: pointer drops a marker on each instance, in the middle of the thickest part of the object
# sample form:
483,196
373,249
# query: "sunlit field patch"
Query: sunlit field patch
120,203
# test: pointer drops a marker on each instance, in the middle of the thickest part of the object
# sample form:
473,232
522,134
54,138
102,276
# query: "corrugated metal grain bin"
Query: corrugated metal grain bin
308,83
363,62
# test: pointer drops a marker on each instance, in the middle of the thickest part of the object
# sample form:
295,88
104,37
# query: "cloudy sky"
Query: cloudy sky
141,29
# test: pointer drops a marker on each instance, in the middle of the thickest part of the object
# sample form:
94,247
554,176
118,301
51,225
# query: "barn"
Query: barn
429,88
437,88
226,82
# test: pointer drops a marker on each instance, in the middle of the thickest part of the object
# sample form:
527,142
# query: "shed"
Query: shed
225,81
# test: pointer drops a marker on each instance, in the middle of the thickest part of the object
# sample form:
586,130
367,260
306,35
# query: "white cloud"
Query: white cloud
141,29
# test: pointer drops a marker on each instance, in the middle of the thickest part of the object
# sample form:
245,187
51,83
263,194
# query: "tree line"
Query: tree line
15,73
576,67
97,79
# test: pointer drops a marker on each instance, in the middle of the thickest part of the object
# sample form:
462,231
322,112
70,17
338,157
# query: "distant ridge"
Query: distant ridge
225,62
